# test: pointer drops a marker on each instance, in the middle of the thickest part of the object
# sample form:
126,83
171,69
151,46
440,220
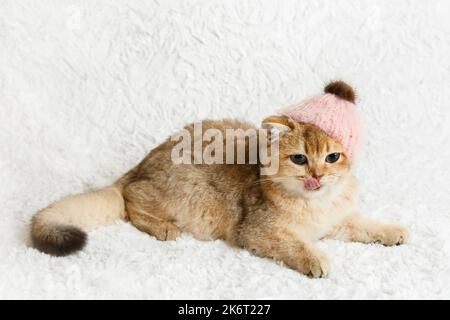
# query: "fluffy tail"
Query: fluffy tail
61,229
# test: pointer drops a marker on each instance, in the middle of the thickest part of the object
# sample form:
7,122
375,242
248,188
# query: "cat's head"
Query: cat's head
311,164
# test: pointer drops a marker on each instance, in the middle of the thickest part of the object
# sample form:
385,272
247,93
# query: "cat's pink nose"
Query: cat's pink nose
312,184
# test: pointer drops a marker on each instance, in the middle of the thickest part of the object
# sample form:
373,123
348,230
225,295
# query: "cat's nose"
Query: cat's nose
317,176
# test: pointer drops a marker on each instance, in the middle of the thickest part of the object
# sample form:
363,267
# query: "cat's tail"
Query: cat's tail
61,229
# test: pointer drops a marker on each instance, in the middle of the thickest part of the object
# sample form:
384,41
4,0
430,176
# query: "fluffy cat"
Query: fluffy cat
281,216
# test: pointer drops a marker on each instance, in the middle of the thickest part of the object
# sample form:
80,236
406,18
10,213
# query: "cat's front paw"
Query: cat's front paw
393,236
314,264
167,231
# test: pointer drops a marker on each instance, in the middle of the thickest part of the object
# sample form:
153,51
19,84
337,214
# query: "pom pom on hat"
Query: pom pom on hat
342,90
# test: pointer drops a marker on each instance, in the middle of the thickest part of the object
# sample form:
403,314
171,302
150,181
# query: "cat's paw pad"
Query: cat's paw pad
394,236
315,265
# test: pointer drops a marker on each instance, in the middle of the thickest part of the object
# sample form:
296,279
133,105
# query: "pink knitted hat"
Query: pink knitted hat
335,113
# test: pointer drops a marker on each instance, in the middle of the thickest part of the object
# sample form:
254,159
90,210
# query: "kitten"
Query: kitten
280,216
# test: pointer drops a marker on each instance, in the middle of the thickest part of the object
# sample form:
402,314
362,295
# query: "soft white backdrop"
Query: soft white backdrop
87,88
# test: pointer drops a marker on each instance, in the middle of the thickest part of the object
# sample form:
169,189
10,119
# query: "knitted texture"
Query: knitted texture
339,118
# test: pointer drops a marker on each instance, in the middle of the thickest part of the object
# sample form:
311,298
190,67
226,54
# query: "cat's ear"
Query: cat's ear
281,124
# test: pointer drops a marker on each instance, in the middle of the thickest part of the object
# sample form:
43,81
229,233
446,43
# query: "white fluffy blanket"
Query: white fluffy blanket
87,88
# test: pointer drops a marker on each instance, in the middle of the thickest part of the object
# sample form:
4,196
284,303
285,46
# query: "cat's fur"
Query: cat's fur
273,216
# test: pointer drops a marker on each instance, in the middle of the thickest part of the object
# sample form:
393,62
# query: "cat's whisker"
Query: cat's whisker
268,180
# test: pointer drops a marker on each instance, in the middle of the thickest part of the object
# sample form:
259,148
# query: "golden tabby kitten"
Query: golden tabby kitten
279,216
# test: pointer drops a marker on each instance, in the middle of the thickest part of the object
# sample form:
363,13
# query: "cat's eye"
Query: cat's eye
332,157
299,159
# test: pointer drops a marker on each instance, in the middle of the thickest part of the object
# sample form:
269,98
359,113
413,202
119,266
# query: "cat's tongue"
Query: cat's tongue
312,184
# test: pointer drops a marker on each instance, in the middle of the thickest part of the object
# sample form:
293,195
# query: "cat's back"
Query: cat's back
201,152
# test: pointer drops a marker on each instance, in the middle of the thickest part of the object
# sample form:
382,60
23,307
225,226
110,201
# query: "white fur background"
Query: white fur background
87,88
